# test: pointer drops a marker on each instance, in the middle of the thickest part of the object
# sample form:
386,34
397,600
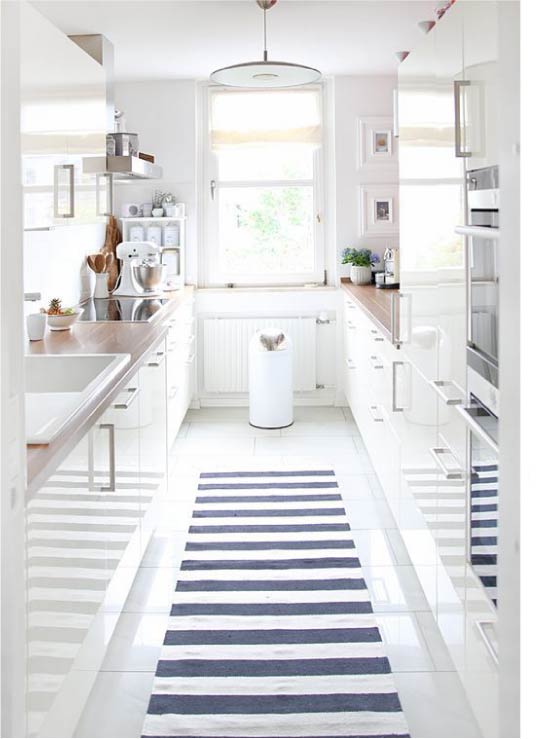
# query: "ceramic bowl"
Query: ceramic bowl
62,323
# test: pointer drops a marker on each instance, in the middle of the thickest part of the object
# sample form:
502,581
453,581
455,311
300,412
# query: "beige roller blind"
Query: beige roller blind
248,118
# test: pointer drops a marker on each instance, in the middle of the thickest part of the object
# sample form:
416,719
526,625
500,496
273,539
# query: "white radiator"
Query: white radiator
225,351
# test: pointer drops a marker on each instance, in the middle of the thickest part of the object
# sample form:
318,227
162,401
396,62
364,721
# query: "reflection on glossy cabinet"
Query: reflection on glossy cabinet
63,114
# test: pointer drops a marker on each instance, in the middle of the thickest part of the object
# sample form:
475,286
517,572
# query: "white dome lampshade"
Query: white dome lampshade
266,73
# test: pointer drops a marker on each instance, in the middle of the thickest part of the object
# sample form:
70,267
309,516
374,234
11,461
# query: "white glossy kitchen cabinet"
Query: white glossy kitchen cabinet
181,355
481,55
63,115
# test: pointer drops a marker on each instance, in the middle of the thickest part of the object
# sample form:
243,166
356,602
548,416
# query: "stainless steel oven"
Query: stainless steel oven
482,264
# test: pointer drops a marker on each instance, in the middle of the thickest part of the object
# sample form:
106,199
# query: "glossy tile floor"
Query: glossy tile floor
210,439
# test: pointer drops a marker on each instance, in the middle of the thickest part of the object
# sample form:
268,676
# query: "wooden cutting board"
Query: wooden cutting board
113,237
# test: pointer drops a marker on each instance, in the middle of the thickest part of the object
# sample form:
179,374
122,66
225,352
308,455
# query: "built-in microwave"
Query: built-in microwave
482,236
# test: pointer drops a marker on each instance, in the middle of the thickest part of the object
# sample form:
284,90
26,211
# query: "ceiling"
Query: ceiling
165,39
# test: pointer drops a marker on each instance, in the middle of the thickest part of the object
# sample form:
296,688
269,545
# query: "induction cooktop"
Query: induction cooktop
140,310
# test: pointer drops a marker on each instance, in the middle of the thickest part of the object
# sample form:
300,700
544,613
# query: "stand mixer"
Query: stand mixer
141,273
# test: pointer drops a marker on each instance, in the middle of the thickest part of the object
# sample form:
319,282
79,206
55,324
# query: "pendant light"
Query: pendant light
266,73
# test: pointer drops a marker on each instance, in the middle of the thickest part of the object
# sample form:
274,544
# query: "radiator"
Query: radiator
225,351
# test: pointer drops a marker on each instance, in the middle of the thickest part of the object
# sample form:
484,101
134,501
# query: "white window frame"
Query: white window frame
209,275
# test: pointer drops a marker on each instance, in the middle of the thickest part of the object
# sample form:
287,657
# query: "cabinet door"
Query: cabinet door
480,125
431,196
153,420
63,114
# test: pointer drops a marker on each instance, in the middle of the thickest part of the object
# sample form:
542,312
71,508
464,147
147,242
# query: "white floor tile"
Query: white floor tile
369,514
318,413
212,444
216,415
306,446
166,549
315,428
152,591
373,548
436,646
398,547
355,487
435,705
394,589
136,643
228,429
117,705
405,644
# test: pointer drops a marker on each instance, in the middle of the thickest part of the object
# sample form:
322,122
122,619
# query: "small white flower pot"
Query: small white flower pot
360,275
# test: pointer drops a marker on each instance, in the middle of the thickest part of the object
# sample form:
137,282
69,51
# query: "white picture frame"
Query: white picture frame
375,141
378,209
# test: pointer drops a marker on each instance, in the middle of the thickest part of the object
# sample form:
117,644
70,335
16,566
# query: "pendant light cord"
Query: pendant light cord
265,35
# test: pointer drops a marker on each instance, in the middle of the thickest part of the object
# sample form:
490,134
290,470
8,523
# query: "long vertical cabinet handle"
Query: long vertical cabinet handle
56,172
397,337
109,204
396,113
396,408
460,151
213,186
110,428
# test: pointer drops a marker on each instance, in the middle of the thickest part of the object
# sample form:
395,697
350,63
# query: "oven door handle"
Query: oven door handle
483,232
476,428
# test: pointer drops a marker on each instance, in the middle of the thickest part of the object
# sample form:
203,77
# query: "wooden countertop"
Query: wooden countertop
376,303
116,337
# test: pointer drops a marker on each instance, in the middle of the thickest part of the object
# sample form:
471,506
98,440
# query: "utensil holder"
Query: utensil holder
101,289
36,326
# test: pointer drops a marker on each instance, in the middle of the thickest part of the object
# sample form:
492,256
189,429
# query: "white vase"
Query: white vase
360,275
36,326
101,289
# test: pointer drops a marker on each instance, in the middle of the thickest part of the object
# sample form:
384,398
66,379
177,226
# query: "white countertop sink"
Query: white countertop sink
58,385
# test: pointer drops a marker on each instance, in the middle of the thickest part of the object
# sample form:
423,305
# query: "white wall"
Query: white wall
12,435
355,97
163,114
55,262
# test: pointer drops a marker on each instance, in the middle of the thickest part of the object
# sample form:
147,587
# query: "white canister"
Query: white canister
101,285
137,233
36,326
154,234
170,210
180,210
171,235
147,210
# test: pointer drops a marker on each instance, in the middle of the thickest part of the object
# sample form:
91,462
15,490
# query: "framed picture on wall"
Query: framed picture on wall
375,141
378,210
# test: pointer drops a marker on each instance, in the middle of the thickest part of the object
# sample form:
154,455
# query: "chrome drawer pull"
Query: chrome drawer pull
133,393
439,387
482,627
437,454
375,418
376,362
158,361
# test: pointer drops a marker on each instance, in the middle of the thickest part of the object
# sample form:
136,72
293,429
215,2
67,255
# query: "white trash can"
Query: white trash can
270,379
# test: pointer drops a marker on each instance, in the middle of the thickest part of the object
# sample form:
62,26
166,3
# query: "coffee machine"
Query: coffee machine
391,268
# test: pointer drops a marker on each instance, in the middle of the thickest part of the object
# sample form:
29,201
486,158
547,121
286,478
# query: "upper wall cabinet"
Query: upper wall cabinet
479,110
63,114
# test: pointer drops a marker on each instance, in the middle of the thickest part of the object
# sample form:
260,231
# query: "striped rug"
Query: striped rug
271,632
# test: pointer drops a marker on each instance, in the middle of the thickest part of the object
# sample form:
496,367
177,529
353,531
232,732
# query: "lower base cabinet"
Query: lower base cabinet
419,448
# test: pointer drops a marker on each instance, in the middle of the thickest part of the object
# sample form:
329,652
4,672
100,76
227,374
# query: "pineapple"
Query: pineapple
54,308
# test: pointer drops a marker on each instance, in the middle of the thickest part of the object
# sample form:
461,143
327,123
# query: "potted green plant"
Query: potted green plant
361,261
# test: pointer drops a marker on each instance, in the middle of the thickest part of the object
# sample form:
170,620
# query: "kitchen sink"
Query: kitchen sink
58,386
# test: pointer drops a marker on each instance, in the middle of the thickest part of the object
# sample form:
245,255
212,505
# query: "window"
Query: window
262,166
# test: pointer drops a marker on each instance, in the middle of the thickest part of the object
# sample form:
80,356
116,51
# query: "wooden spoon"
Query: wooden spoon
108,261
91,261
100,262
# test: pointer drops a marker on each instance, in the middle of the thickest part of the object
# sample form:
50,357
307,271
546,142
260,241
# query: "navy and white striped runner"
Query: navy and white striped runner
271,633
484,526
